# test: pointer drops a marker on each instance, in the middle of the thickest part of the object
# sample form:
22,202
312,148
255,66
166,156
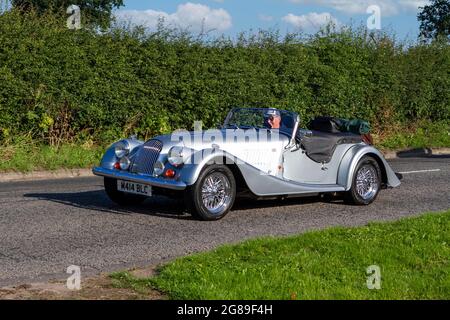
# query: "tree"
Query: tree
435,19
94,11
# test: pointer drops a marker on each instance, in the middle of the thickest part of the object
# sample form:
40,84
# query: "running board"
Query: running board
262,184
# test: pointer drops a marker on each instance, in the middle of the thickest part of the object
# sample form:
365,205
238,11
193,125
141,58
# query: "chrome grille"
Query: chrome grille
146,157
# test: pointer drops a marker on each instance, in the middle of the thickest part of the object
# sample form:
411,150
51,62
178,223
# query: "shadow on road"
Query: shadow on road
249,204
421,153
160,206
98,201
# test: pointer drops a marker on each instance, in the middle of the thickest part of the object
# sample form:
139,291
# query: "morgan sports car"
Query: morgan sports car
260,152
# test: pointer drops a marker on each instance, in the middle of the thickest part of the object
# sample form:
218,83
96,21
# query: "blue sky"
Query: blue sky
232,16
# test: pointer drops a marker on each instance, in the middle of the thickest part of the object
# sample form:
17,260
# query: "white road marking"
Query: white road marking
420,171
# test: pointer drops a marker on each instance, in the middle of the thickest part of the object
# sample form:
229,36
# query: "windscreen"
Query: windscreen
270,118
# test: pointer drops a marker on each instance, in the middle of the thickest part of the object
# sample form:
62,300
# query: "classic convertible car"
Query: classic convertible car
260,152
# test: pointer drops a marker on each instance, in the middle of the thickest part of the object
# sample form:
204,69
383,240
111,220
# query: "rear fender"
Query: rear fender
350,161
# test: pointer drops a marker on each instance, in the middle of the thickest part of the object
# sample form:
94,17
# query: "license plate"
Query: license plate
135,188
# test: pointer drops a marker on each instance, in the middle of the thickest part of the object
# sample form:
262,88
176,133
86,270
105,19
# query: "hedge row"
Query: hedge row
61,84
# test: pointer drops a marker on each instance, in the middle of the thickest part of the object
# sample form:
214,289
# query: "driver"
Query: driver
272,119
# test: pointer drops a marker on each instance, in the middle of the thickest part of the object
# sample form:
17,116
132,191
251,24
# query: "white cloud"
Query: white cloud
195,17
311,21
388,7
352,6
147,18
412,5
265,18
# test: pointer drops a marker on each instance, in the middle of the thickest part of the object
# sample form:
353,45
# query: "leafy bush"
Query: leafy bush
63,85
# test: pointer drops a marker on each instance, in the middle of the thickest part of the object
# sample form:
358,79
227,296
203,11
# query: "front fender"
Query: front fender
198,160
109,157
350,161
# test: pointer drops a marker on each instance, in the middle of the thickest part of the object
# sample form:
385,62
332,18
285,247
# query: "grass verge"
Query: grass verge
25,155
413,255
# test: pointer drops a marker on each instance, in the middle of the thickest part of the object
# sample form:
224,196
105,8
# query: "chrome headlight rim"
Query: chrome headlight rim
122,149
176,156
125,163
158,168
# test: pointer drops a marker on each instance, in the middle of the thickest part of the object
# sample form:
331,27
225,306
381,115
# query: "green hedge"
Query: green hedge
60,84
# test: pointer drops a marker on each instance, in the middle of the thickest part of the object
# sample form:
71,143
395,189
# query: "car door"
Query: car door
298,167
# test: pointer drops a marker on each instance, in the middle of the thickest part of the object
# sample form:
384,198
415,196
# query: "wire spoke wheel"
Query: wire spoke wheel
216,193
367,182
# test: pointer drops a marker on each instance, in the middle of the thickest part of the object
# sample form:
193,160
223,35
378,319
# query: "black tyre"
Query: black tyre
366,182
213,195
119,197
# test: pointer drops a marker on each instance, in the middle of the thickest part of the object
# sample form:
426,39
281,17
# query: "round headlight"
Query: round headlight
122,148
158,168
124,163
175,156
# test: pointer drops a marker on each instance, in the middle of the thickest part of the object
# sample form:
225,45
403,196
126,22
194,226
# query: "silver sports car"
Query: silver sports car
260,152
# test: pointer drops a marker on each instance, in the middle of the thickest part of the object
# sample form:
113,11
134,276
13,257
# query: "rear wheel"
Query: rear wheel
119,197
213,195
366,182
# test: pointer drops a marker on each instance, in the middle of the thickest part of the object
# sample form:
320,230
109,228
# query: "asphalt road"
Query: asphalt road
45,226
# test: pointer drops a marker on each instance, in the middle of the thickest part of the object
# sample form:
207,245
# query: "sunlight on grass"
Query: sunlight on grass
413,255
25,155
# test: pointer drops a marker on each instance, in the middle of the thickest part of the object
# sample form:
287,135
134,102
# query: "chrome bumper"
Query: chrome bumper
157,182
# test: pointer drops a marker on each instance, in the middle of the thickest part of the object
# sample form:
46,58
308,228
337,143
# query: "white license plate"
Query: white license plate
133,187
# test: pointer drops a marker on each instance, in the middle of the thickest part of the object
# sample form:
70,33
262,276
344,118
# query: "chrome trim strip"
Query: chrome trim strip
292,142
145,179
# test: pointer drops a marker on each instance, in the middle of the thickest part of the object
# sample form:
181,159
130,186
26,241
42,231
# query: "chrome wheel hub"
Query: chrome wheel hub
216,192
367,182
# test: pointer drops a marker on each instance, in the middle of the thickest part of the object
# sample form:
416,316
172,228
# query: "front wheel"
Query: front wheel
213,195
366,182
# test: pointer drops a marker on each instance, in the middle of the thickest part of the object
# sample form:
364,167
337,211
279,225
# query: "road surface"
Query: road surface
46,226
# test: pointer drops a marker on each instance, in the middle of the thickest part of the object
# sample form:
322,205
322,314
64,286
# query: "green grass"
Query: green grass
25,155
127,281
413,255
